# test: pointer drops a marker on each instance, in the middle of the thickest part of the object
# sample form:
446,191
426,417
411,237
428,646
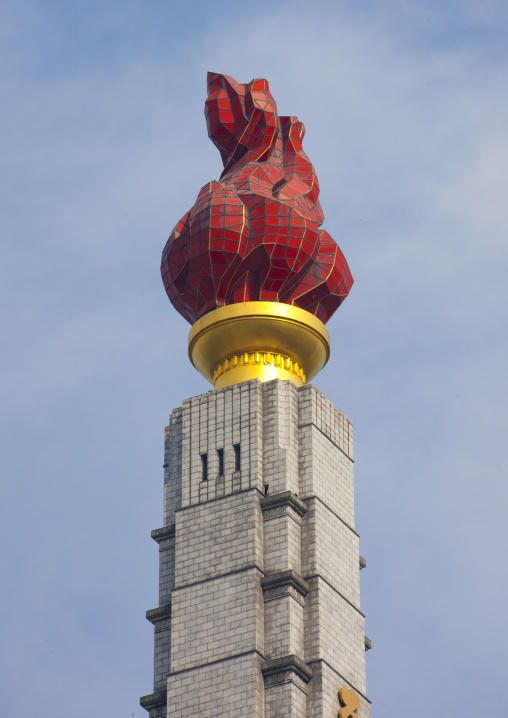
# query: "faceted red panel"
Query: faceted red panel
255,233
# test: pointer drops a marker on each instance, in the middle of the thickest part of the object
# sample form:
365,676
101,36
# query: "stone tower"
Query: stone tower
259,611
259,603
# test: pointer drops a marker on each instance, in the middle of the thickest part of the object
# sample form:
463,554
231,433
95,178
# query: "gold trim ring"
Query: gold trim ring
261,360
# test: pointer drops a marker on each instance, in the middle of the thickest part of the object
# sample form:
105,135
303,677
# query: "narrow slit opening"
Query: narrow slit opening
204,467
236,448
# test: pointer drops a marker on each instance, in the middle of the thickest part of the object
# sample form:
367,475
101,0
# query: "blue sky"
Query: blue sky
104,148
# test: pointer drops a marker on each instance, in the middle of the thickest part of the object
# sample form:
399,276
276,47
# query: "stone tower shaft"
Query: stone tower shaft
259,605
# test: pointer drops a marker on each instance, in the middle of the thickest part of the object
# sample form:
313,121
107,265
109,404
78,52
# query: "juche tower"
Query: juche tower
259,603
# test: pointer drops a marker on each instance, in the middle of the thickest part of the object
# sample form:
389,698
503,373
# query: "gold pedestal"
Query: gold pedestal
258,340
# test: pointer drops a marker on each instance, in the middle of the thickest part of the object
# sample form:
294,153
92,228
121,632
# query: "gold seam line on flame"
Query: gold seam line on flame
258,340
241,137
240,241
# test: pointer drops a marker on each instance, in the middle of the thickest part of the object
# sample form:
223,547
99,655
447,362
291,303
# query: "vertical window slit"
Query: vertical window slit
236,448
204,467
220,456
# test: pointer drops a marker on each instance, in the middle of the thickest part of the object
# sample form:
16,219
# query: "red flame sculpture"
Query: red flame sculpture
254,234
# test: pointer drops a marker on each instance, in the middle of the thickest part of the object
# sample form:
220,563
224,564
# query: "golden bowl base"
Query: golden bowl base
258,340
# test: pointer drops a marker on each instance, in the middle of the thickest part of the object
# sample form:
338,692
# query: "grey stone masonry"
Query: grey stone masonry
259,602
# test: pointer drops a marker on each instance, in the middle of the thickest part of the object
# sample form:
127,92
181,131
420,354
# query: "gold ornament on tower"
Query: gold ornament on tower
258,340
